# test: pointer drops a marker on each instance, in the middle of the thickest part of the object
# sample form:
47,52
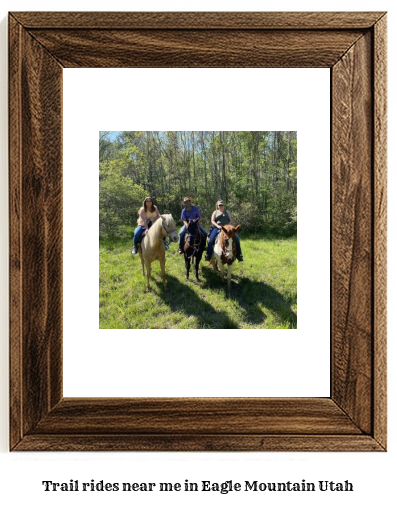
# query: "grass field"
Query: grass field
263,291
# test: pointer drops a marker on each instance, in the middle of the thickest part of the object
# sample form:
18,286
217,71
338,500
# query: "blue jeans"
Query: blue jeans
211,243
138,234
182,235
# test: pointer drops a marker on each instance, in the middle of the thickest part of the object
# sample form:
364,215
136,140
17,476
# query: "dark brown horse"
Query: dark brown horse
194,246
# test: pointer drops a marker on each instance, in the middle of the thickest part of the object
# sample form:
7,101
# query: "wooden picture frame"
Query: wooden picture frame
353,46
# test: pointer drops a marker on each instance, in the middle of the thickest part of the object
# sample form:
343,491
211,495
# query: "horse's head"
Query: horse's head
228,240
192,226
170,227
192,232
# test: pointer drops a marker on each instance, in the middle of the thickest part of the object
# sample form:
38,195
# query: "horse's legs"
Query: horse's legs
222,270
148,270
162,266
198,259
229,276
187,266
143,264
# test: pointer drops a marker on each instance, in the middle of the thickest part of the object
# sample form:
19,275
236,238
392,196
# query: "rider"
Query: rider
148,214
221,217
189,212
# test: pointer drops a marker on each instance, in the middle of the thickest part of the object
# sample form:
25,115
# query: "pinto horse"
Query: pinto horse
152,247
225,251
194,246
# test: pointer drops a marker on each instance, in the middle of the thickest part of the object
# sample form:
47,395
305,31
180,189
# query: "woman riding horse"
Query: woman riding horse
148,214
152,246
221,217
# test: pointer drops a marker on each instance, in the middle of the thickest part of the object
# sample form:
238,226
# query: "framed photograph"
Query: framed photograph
353,46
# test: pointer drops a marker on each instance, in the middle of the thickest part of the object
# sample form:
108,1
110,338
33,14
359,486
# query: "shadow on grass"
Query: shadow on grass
179,297
250,294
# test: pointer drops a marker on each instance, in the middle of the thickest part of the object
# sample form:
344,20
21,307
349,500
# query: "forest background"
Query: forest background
254,172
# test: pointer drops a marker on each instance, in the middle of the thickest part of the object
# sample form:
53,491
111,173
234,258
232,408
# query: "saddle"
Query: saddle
143,235
149,224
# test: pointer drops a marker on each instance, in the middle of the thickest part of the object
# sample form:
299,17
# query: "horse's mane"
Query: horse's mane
155,227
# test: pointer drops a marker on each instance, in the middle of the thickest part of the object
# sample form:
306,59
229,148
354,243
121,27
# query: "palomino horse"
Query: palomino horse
152,246
194,246
225,251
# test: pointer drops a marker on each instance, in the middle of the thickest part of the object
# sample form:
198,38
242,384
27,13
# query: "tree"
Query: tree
254,171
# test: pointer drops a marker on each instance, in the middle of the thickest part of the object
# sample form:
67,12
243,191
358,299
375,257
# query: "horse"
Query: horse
152,247
194,246
225,251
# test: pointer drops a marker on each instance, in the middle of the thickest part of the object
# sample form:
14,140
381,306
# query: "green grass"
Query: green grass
263,292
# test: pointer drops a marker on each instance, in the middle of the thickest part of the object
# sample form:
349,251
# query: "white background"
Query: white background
131,362
21,474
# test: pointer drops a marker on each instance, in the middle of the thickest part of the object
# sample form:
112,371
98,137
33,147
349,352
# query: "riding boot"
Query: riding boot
180,249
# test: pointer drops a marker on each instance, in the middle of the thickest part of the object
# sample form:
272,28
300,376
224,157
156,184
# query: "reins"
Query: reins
168,232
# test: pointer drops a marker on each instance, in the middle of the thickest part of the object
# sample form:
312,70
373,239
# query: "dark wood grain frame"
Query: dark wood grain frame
353,46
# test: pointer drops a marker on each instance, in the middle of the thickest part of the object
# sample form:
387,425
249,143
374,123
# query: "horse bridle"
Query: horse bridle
168,232
225,248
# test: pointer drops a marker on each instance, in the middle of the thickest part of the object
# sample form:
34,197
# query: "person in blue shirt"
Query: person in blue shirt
189,212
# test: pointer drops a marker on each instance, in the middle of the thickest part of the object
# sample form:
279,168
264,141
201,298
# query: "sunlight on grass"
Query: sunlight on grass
263,293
